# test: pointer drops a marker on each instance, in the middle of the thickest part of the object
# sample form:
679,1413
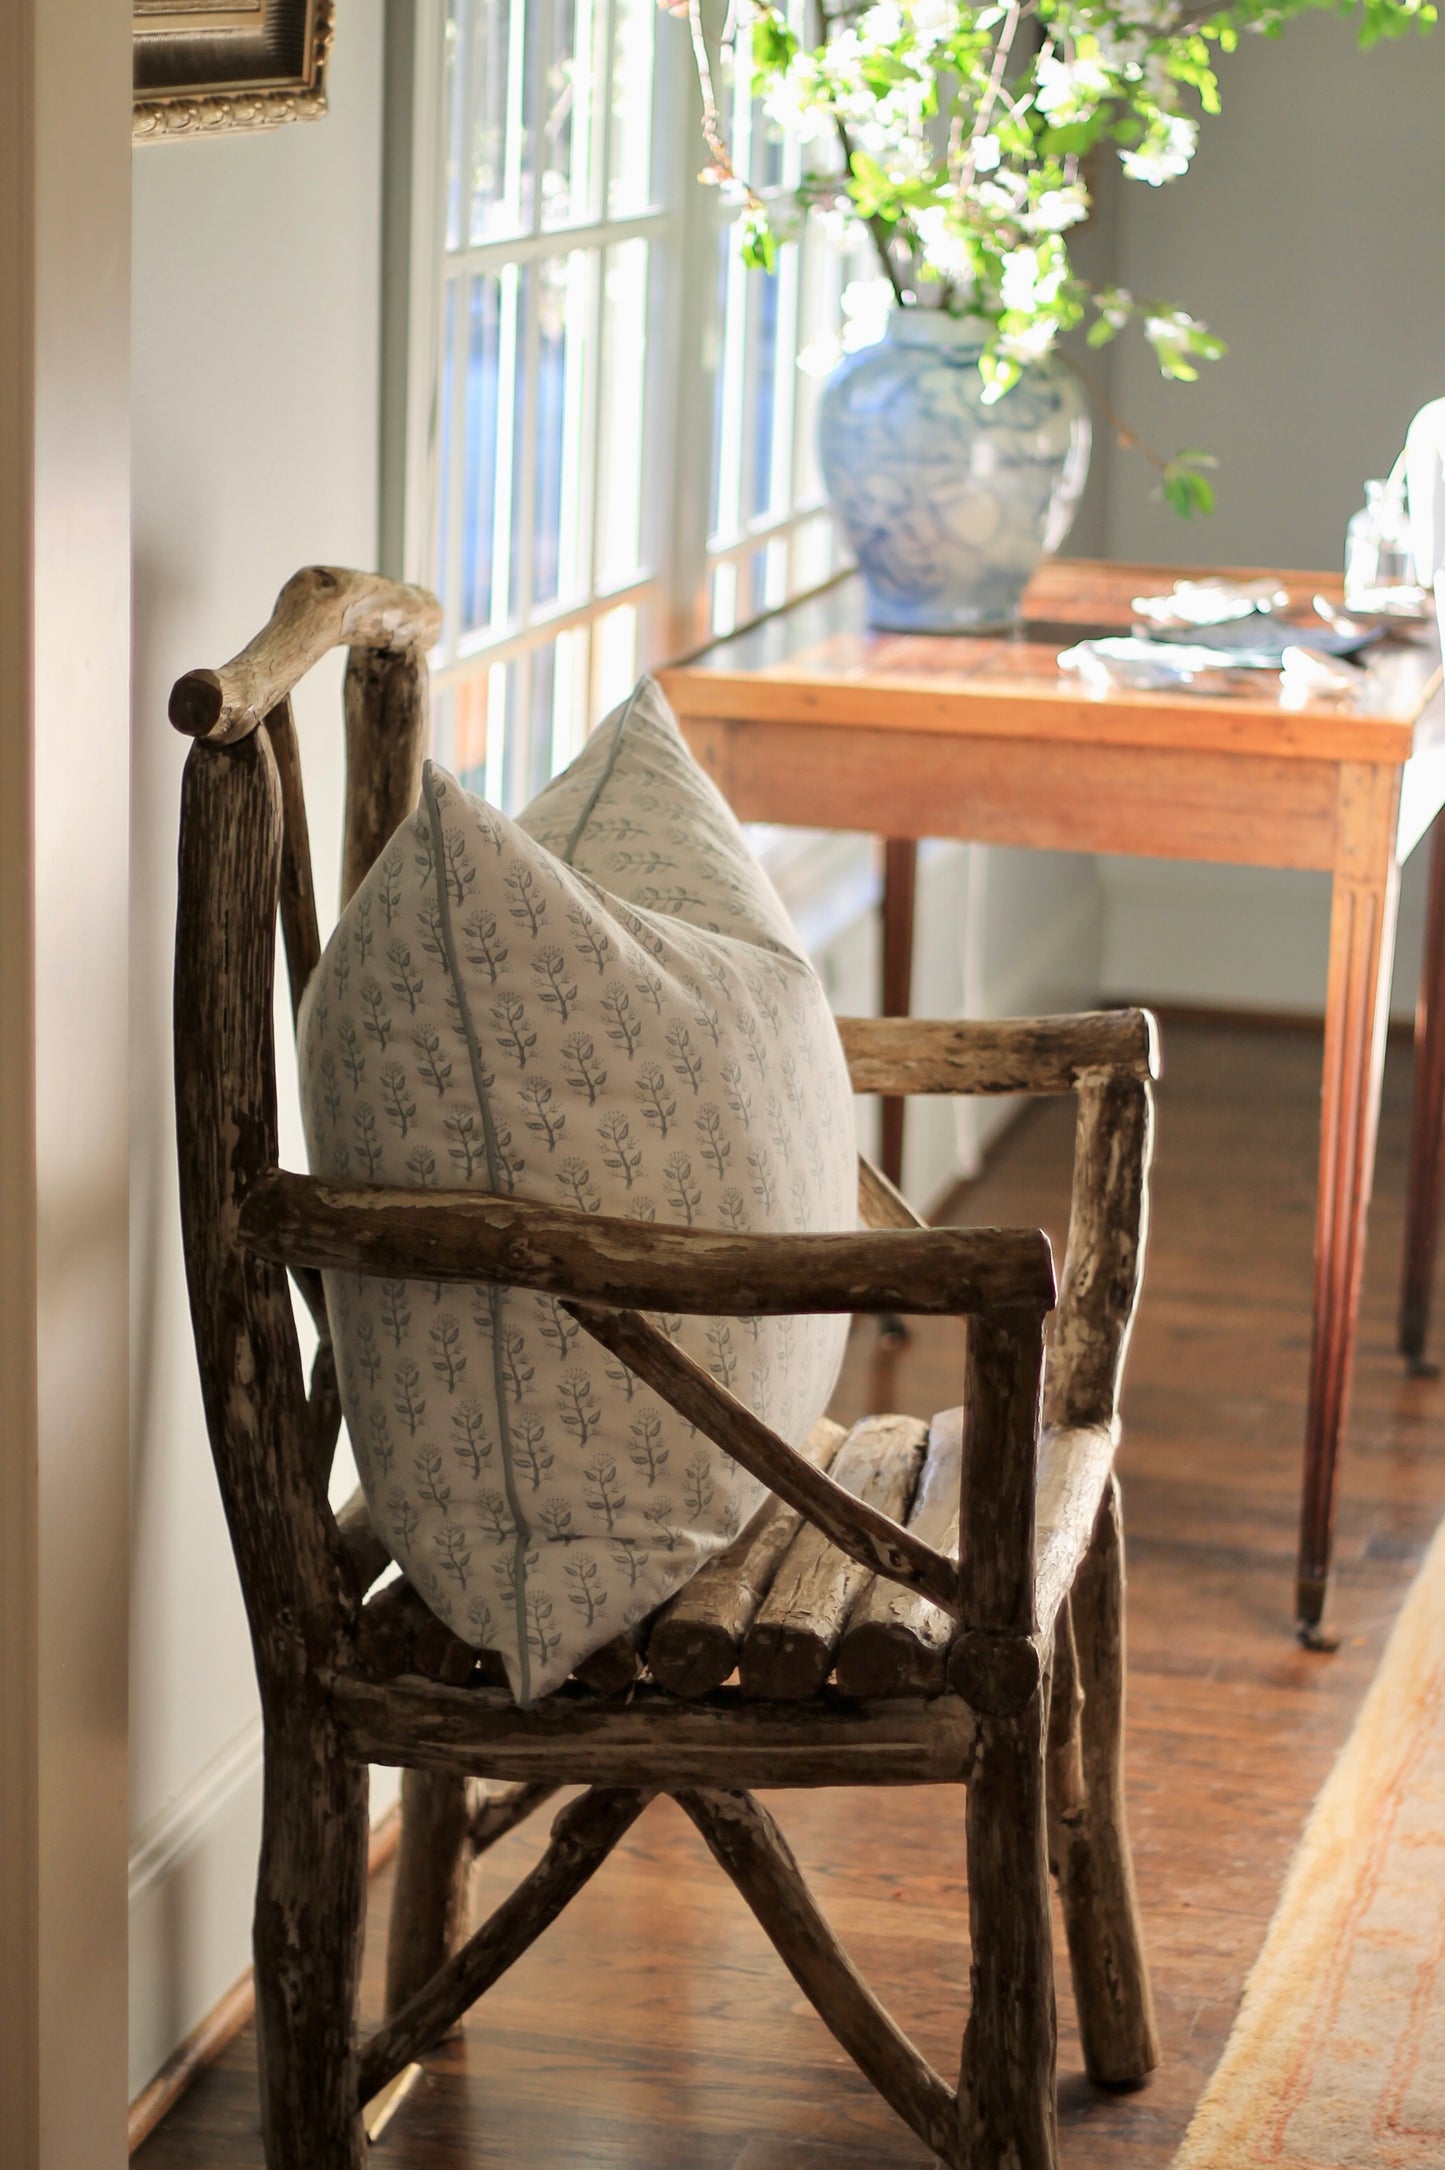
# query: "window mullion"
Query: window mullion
453,598
590,514
515,134
593,233
682,382
503,571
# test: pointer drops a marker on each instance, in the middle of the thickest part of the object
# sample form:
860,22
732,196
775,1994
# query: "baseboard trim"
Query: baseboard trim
204,2044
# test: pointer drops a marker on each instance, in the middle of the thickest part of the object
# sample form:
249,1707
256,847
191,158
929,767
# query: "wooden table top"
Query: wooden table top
817,662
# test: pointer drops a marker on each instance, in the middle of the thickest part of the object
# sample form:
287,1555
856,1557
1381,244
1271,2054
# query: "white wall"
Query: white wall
256,331
1309,235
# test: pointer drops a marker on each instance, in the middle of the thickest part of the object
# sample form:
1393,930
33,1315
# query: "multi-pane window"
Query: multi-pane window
770,533
618,437
555,228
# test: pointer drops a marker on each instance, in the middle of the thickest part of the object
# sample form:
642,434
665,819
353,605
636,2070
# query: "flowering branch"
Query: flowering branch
965,161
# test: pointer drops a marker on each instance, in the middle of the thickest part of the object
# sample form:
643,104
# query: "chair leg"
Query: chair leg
1088,1833
1006,2092
310,1920
430,1898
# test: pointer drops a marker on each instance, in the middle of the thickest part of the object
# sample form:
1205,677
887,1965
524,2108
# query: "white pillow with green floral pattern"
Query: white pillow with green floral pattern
601,1005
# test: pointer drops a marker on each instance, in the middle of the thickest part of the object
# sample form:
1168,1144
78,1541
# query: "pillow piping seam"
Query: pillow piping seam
496,1295
590,808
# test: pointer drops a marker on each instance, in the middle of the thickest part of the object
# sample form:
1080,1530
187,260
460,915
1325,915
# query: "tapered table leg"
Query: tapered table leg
900,880
1427,1120
1362,945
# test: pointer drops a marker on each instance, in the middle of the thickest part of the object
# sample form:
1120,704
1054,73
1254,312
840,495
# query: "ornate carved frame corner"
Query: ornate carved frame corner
192,80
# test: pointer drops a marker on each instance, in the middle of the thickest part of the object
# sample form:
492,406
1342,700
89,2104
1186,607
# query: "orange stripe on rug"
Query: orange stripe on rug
1337,2058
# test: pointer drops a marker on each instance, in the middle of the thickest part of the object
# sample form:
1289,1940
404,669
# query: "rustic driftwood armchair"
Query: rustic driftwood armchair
840,1641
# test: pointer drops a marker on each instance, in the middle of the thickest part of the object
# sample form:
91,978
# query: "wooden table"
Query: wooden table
808,719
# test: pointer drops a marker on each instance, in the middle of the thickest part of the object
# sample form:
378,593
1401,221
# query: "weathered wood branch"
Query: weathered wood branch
308,1929
651,1739
1073,1475
431,1893
1009,1055
995,1660
896,1642
613,1666
854,1527
1001,1412
1090,1834
695,1638
583,1835
439,1235
386,694
399,1633
499,1809
880,1203
299,926
303,954
788,1651
745,1841
1104,1260
320,608
1006,2099
323,1402
260,1425
365,1553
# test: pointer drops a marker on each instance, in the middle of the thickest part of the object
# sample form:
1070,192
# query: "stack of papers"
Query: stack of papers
1206,626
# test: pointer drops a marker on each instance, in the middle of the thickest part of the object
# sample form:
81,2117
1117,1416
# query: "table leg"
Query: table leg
900,881
1362,946
1427,1120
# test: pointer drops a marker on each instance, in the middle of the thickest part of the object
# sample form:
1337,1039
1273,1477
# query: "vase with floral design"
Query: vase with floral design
948,500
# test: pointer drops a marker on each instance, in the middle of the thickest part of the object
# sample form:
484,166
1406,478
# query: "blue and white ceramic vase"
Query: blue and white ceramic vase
949,504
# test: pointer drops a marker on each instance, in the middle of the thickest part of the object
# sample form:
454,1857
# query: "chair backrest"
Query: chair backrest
244,858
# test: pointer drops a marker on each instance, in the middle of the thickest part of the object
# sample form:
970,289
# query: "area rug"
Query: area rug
1337,2058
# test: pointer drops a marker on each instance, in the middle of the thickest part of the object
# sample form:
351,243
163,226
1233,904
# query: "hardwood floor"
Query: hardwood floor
653,2028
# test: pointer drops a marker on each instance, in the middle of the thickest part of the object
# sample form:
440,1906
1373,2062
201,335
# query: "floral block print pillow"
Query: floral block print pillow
602,1005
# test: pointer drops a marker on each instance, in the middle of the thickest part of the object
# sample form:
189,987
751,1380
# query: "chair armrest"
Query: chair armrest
440,1235
320,608
897,1055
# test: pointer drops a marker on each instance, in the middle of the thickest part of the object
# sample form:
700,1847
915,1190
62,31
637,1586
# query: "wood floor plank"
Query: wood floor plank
654,2029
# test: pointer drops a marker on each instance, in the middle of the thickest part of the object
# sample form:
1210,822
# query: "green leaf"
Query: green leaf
758,242
773,43
1183,488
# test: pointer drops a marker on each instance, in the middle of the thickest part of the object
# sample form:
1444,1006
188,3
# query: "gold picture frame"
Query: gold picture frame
202,66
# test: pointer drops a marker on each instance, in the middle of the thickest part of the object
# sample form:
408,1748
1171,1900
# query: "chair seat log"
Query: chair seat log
913,1604
787,1653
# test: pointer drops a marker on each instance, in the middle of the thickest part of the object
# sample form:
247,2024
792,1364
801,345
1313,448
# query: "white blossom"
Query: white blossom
790,103
1027,284
1030,342
865,305
1164,153
944,248
1003,198
933,21
882,24
1171,334
1058,208
1071,89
